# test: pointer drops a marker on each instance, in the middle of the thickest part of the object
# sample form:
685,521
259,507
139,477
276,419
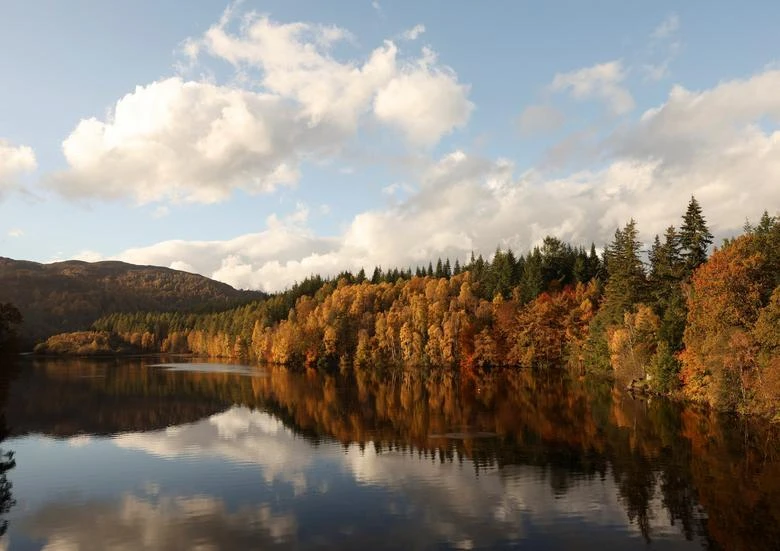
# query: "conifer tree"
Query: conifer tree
695,237
532,284
627,284
594,263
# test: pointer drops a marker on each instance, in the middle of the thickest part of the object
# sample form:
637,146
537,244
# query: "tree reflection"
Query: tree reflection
8,371
713,477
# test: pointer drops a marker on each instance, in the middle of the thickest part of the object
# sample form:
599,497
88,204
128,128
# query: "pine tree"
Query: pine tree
695,237
627,284
594,263
580,270
456,270
532,284
666,273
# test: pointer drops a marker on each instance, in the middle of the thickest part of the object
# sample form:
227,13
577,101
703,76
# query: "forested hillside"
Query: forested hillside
676,322
68,296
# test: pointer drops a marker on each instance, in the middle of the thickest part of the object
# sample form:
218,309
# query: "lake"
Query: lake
140,454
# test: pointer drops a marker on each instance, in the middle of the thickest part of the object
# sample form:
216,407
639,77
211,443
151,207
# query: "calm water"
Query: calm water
131,455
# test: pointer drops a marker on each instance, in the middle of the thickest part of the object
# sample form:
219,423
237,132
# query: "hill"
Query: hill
69,296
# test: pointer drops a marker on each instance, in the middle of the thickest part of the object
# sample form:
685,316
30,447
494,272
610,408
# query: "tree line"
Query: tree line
670,319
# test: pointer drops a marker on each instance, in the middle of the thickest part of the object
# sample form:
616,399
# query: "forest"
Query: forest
70,295
670,320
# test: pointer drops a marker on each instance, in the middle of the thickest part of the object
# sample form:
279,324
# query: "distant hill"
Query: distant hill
69,296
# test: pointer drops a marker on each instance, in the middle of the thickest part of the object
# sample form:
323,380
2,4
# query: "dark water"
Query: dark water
128,455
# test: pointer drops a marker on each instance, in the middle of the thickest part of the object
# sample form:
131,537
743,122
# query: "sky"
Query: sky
259,142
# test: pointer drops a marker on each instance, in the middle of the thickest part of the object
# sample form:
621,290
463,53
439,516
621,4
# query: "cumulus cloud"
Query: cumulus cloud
424,101
198,141
15,160
285,249
539,119
602,81
721,145
189,141
419,96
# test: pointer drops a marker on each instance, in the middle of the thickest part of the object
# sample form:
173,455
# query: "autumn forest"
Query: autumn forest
671,320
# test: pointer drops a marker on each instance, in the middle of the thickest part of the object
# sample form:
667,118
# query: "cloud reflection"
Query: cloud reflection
186,522
436,500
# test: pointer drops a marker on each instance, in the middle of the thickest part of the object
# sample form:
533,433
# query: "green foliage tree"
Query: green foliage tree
695,237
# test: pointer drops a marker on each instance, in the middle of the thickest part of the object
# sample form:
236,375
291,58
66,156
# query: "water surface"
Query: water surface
143,454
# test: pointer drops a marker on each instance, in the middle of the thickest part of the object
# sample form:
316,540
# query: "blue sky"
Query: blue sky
258,142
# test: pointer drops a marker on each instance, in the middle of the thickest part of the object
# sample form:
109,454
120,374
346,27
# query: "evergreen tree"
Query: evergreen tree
580,270
361,277
439,268
501,275
695,237
377,276
532,283
594,263
456,270
666,273
627,284
557,262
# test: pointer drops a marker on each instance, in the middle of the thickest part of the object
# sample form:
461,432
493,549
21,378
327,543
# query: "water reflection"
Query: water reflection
7,459
140,457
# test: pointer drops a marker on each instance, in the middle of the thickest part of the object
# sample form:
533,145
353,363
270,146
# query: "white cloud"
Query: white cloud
717,144
292,101
414,33
668,27
424,101
663,39
88,256
602,81
398,188
181,266
15,232
15,160
188,141
656,72
539,119
263,260
419,96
